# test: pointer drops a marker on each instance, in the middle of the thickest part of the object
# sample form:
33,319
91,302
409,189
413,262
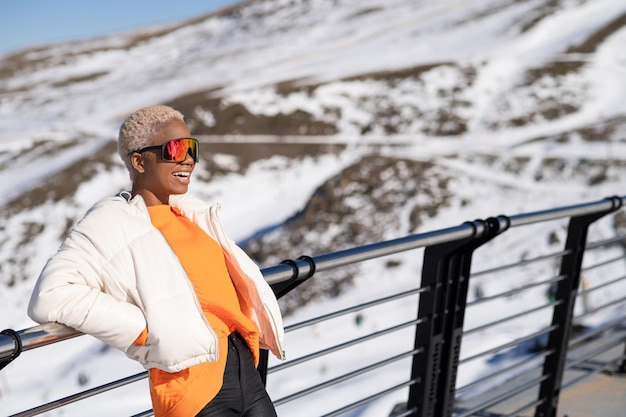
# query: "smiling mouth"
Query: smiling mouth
182,174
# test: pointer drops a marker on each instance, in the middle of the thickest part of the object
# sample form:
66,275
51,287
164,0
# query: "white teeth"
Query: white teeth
181,174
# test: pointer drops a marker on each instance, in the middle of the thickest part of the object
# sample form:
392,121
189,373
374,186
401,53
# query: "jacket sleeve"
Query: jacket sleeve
70,290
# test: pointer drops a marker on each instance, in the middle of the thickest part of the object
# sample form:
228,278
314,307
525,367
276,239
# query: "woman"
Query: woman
153,274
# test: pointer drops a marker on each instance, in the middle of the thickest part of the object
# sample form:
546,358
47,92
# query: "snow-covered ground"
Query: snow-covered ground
294,44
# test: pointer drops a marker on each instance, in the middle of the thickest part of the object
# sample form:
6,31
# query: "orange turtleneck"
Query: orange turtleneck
185,393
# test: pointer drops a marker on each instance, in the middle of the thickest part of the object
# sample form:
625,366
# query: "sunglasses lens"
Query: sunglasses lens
177,149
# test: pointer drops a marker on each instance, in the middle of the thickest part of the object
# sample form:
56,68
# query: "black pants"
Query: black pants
243,393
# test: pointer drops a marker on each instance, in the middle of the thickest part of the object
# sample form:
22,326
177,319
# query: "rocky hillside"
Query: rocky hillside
429,112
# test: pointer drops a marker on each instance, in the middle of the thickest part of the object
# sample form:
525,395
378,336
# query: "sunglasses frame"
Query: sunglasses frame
163,146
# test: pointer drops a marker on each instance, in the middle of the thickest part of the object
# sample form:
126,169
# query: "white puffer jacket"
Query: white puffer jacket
115,275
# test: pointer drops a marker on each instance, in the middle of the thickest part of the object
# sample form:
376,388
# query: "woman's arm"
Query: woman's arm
71,291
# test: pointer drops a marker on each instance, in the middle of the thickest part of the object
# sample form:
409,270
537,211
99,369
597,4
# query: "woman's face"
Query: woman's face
155,180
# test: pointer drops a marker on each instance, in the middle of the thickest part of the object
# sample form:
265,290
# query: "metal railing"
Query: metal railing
427,344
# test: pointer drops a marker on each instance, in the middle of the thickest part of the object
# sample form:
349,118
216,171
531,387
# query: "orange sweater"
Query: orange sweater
185,393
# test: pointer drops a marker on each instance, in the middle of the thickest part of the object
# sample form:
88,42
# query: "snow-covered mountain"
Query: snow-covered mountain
324,124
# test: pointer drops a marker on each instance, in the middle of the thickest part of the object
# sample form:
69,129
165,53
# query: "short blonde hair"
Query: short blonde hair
137,130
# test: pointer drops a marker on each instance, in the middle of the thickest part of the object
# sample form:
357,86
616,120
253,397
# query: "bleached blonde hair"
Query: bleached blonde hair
137,130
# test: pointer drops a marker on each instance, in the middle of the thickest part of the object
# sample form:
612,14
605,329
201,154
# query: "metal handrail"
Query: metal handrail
51,332
305,267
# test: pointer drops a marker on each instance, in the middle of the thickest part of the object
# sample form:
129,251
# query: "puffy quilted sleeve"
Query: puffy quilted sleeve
72,288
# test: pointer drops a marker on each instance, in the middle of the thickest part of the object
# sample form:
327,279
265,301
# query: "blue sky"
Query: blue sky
30,22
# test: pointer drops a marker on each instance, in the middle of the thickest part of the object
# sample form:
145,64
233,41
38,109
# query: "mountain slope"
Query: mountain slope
510,88
324,124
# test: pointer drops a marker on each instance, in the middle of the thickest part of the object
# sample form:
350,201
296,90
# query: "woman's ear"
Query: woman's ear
136,160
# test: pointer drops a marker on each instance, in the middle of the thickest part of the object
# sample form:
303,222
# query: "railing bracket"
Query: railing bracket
17,340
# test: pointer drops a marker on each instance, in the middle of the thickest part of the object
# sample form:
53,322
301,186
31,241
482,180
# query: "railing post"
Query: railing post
280,289
562,318
446,273
263,363
621,369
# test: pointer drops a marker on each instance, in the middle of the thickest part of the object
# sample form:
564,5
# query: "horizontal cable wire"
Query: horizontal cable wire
353,309
595,371
81,395
606,242
509,318
571,363
522,363
405,413
602,263
512,343
603,306
347,376
344,345
521,263
514,291
604,284
523,408
370,399
501,397
596,330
